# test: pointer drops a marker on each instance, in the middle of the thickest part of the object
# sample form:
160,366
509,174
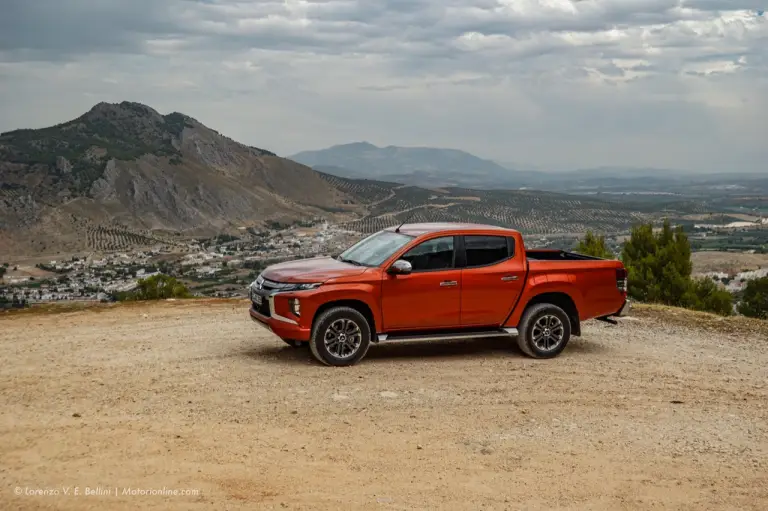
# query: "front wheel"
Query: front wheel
341,336
545,330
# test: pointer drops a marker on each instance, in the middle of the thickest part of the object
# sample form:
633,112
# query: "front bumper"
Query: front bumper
265,315
258,318
625,309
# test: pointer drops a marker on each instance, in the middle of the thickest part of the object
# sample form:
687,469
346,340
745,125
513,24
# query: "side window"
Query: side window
485,250
434,254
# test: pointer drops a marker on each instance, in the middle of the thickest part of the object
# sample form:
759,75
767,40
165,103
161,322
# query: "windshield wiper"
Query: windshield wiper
350,261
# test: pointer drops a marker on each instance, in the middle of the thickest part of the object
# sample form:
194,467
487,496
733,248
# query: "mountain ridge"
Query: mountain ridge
126,166
417,165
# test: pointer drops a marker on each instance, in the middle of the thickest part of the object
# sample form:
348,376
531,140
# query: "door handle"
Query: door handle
447,283
509,277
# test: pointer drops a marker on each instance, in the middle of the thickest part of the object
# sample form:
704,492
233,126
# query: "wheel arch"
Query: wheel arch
359,305
562,300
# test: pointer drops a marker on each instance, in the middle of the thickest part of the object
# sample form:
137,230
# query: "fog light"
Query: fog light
295,306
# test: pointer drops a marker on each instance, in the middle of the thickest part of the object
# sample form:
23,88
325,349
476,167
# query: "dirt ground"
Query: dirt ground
668,410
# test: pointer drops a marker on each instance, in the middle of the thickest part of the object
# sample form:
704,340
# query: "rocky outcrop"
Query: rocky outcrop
127,163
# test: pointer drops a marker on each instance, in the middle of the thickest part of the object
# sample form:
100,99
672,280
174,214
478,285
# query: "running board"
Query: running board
504,332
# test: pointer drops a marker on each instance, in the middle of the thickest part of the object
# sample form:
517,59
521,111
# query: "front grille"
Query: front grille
267,285
270,285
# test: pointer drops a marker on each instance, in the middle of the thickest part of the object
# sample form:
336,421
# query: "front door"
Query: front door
430,296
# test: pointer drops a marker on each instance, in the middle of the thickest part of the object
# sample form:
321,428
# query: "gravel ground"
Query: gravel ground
668,410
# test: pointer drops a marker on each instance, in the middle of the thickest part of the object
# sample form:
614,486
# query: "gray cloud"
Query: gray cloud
646,82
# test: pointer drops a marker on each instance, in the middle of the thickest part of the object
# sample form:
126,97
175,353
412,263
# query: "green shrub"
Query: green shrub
593,245
709,297
659,265
156,287
754,300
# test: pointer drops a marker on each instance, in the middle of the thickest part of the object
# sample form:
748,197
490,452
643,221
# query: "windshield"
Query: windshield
375,249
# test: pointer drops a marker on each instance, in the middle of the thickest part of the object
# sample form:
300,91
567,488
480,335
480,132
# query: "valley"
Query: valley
91,206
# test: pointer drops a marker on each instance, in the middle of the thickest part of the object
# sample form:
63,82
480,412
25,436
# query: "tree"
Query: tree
709,297
593,245
156,287
659,265
754,301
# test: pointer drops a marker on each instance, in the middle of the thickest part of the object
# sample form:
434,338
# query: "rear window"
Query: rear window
486,250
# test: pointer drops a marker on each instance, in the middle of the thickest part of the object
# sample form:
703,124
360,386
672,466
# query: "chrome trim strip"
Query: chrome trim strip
506,332
510,277
271,300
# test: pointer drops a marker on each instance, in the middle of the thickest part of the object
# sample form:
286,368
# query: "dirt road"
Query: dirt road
664,411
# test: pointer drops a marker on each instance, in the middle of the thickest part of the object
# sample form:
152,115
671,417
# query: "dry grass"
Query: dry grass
696,320
46,309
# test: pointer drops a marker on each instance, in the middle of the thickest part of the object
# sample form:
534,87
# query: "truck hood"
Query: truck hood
316,269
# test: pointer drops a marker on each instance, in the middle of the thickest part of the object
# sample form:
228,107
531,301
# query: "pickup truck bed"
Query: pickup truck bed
545,254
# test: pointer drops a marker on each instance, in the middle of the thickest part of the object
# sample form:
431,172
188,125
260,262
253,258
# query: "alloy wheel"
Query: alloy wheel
548,332
343,338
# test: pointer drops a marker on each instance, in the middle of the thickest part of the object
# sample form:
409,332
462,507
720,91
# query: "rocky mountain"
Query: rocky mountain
127,168
418,166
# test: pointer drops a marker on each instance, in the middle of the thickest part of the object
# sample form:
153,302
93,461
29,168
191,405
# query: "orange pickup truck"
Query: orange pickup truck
437,281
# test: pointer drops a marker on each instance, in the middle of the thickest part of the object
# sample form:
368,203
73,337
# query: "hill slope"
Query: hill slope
419,166
127,167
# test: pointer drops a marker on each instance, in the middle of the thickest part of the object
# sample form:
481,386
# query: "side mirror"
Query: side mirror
400,267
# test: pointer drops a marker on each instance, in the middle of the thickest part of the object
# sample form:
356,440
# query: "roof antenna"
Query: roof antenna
409,217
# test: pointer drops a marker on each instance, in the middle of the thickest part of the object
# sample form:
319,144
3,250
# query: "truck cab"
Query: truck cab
436,281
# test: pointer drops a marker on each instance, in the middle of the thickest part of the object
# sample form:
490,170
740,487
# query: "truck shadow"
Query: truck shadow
475,348
443,349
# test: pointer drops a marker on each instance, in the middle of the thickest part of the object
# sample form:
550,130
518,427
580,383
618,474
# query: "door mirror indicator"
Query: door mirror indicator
400,267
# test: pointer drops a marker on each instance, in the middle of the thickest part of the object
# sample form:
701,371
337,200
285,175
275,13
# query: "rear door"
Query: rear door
492,276
429,297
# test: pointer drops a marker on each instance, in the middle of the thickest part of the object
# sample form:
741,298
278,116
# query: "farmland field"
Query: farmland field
531,212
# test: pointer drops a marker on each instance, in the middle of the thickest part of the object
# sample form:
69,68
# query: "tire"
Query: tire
294,343
329,325
538,329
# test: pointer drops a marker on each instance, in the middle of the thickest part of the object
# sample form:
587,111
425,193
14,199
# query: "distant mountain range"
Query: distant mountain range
430,167
123,175
128,171
419,166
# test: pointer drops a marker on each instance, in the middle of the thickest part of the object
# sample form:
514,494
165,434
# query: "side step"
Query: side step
504,332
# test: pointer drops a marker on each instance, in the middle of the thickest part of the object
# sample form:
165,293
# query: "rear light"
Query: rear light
621,279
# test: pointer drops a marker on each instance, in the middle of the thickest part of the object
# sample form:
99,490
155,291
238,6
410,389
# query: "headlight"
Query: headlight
304,287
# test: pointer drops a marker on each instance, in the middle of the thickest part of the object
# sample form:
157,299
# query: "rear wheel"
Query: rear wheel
544,331
341,336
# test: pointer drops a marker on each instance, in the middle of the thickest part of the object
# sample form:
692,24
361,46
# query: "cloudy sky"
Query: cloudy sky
554,83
